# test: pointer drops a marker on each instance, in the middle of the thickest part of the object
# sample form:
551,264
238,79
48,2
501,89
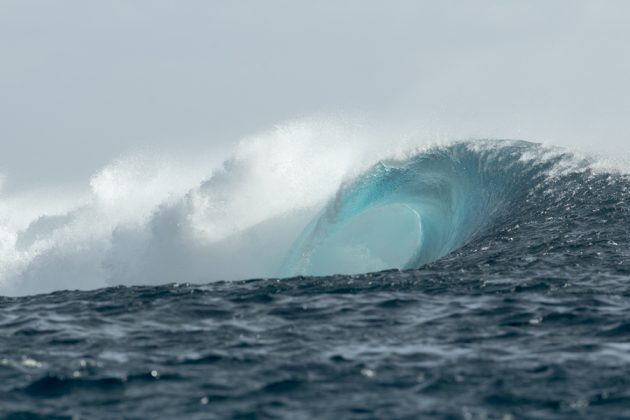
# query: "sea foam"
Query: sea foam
308,197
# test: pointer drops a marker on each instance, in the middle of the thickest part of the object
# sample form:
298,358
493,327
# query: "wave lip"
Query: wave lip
404,214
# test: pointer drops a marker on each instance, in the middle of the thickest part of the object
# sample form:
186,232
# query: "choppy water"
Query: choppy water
524,314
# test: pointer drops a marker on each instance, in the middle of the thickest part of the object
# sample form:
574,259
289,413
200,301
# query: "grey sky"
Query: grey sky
84,81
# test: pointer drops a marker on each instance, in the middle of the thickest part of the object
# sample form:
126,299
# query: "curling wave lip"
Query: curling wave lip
408,213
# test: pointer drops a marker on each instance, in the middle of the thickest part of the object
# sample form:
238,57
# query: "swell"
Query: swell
279,208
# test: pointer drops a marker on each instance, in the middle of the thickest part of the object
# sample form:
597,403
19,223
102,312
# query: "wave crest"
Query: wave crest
404,214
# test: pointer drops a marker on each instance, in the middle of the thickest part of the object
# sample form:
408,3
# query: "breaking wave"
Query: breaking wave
404,214
302,199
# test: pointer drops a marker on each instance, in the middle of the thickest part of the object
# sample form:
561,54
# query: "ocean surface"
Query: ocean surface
480,280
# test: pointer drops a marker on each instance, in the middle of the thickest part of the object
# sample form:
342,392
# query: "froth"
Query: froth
147,218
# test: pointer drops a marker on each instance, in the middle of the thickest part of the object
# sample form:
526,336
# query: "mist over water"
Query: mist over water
151,219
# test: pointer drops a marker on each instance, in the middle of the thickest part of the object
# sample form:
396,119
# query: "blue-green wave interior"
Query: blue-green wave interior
406,213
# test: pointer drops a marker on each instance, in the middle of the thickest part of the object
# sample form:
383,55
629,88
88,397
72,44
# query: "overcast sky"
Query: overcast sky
82,82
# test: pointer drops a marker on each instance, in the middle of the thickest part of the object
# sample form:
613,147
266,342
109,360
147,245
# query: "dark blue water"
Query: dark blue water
526,316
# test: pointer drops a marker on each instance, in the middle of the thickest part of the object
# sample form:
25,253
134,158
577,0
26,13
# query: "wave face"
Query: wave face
288,204
404,214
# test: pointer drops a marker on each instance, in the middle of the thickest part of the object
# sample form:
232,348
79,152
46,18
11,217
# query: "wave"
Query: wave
404,214
286,203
